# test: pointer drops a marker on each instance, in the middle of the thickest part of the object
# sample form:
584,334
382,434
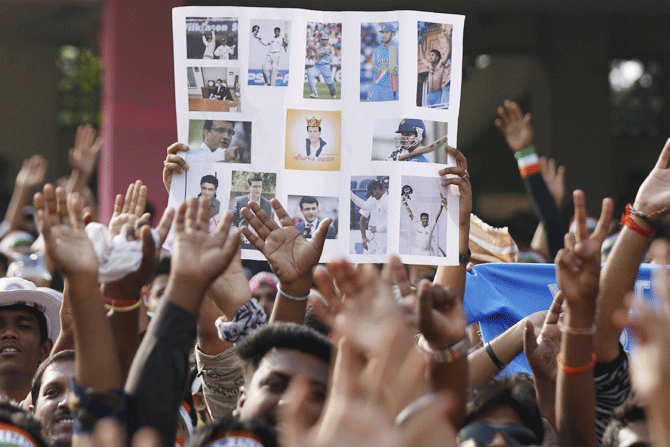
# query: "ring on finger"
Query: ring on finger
465,174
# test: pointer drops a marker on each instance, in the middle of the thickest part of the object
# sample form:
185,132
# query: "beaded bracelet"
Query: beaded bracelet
576,370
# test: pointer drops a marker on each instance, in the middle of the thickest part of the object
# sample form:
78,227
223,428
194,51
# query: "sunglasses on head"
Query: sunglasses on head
483,433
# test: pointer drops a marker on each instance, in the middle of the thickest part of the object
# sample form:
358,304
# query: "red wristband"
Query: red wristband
630,223
118,303
575,370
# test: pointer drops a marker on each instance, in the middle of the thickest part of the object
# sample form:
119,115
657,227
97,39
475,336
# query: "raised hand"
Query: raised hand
291,256
198,257
173,163
460,177
541,351
130,219
129,212
515,127
63,230
84,155
32,172
554,178
578,264
653,197
442,320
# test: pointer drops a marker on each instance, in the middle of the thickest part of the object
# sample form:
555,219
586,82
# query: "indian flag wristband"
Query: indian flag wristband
529,162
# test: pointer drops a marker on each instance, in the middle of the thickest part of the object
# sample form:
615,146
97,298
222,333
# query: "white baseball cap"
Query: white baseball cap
18,291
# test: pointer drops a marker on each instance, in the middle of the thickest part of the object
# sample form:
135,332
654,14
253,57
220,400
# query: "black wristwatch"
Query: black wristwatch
464,258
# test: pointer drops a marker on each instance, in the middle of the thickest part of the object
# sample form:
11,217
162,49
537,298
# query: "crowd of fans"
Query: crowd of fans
107,339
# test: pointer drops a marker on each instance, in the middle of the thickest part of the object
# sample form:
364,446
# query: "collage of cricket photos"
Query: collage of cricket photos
344,115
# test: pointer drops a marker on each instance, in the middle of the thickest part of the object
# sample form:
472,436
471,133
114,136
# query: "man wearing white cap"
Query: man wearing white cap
29,323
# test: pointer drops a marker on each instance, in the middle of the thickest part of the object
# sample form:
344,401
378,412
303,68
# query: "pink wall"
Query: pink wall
139,120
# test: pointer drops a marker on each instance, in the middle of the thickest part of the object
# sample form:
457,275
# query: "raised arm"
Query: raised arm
97,364
291,257
447,31
83,158
620,270
577,274
29,177
454,276
198,258
518,132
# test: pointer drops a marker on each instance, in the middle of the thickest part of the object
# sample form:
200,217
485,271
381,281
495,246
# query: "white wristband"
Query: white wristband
294,298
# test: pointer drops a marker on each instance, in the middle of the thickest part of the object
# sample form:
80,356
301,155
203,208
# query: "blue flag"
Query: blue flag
500,295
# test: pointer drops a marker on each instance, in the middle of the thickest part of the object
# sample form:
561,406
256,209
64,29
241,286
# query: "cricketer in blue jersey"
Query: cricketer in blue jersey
324,52
385,74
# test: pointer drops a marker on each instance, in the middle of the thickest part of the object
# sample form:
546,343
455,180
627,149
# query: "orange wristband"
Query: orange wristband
630,223
575,370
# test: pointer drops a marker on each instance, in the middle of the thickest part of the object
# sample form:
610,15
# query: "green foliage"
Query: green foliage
78,86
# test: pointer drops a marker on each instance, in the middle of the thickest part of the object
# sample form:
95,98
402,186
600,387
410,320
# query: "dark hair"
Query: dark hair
59,357
12,414
437,53
423,214
208,125
313,126
4,262
626,413
41,318
281,335
256,177
206,434
209,178
219,80
278,29
517,391
308,199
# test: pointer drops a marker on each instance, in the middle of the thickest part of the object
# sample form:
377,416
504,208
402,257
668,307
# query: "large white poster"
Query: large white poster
336,114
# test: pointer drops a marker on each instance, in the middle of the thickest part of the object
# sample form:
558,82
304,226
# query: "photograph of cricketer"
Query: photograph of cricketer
423,225
323,61
368,220
213,89
379,61
269,52
219,141
245,187
409,139
308,212
211,38
313,140
434,65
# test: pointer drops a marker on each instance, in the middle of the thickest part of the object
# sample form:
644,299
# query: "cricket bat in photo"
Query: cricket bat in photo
393,59
431,147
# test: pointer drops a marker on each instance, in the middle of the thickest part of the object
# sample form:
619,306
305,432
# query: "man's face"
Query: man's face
255,189
277,33
265,295
263,392
499,415
313,133
20,347
310,211
208,190
220,135
386,36
408,139
424,220
52,408
377,193
218,83
433,58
